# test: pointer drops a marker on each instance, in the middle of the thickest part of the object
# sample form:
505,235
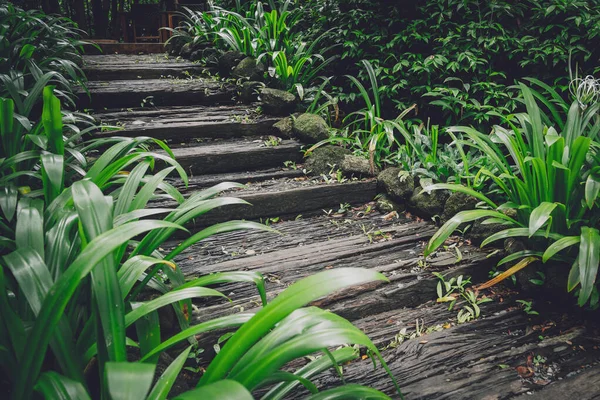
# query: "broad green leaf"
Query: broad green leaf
95,218
592,188
228,277
224,389
229,321
53,386
589,257
228,226
52,120
61,292
350,392
311,369
560,245
539,216
295,296
35,282
464,216
129,380
140,309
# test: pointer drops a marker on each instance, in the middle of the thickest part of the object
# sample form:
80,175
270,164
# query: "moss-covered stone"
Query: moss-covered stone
284,127
456,203
249,91
324,158
427,205
277,102
250,69
397,185
357,166
311,128
386,205
228,61
186,50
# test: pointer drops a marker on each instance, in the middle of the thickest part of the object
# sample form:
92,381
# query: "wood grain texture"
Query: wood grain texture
164,92
188,122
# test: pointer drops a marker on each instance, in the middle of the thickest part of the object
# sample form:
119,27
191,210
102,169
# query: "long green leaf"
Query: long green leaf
589,257
129,380
295,296
57,387
223,390
165,382
61,293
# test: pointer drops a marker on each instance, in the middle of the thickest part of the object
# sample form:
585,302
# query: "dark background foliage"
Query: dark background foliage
461,54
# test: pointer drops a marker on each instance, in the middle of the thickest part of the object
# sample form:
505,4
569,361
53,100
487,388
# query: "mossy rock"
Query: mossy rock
479,231
250,69
324,158
277,102
428,204
457,202
283,127
249,91
186,50
397,185
355,166
386,205
228,61
311,128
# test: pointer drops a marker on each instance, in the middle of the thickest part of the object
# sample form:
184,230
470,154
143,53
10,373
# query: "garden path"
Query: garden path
498,356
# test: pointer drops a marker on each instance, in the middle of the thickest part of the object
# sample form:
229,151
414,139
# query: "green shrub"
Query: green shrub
37,50
82,257
546,169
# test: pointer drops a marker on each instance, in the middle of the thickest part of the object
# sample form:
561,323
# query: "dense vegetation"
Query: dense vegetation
482,98
82,271
486,65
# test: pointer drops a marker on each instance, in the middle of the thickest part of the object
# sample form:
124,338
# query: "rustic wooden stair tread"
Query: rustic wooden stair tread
238,155
123,67
156,92
286,198
184,123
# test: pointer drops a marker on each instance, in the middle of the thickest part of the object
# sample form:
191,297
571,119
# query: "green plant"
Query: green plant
37,50
456,288
528,307
85,263
551,181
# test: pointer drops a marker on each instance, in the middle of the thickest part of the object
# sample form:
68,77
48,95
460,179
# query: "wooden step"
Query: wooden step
111,67
184,123
154,92
286,198
446,360
235,155
483,359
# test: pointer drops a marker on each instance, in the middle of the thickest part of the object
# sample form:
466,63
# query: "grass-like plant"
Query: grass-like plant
83,262
37,50
547,170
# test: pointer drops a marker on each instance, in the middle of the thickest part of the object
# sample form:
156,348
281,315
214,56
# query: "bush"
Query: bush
546,169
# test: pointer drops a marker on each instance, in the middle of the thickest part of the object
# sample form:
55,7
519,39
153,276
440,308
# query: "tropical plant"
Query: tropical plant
37,50
85,263
547,171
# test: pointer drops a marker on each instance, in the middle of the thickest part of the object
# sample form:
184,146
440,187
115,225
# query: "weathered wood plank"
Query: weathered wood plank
150,66
190,122
582,386
162,92
463,362
286,198
239,155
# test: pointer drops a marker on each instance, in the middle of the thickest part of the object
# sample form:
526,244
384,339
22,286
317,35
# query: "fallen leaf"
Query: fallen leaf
524,372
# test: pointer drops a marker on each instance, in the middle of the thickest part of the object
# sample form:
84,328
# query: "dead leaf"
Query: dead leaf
524,372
